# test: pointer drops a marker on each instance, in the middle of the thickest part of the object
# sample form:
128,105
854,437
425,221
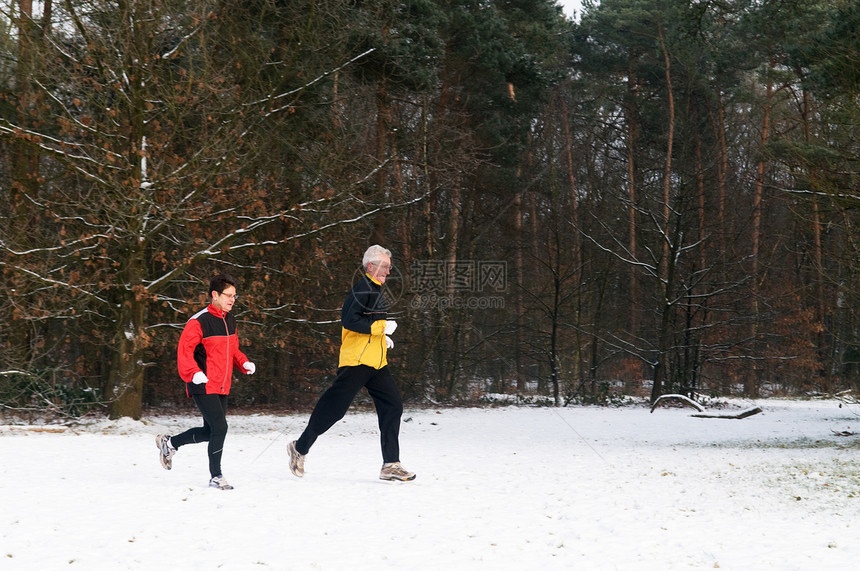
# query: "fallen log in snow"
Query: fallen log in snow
740,415
682,398
701,409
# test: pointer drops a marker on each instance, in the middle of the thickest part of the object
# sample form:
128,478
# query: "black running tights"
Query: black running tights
214,429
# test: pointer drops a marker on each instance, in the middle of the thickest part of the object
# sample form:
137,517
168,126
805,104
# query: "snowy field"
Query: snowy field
503,488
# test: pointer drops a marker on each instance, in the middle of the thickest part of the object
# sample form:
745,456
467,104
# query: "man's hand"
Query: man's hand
199,378
388,342
390,326
250,367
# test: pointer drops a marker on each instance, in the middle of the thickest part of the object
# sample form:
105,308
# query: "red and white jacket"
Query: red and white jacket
209,343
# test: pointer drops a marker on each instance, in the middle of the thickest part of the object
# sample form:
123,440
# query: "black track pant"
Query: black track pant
335,401
214,429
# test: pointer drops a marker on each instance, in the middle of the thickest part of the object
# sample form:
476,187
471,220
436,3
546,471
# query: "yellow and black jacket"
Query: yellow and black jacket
363,326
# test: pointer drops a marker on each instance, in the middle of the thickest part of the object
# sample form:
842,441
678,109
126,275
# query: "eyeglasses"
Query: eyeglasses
232,296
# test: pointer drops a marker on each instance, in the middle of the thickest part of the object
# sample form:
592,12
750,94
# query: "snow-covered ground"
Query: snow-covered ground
497,488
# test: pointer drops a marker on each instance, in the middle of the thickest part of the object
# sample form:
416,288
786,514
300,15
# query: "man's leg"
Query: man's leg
196,434
214,430
333,404
216,417
389,409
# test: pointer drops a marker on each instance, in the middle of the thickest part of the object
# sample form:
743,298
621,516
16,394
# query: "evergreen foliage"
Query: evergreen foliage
661,197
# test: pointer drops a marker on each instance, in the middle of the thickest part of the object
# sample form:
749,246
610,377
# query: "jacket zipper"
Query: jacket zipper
381,349
227,364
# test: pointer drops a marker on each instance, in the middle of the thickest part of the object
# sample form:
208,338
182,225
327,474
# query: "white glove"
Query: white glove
199,378
250,367
390,326
388,342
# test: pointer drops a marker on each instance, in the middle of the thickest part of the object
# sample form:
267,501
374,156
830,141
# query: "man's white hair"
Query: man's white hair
374,254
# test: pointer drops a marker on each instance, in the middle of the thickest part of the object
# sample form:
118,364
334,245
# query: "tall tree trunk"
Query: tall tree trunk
574,201
577,241
531,199
383,125
666,265
518,298
125,379
632,142
722,174
692,346
450,323
824,349
24,174
753,381
26,155
428,188
667,165
25,158
25,162
700,202
555,372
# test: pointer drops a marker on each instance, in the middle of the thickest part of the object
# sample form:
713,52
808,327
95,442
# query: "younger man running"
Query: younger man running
208,350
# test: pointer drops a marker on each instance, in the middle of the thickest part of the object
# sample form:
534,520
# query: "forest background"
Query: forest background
658,197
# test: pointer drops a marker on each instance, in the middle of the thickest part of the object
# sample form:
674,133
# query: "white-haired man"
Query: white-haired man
365,340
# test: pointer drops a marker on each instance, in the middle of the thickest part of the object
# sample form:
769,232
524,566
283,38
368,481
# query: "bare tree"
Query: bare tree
150,130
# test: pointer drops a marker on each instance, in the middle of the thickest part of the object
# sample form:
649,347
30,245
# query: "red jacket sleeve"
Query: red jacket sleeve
191,336
239,359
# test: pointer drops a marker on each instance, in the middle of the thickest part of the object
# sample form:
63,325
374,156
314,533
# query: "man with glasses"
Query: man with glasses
365,340
208,351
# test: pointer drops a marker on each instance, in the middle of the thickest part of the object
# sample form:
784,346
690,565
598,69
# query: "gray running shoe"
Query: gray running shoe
165,451
395,471
297,461
220,483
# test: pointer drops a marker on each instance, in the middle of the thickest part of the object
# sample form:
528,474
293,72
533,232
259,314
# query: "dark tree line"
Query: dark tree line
659,197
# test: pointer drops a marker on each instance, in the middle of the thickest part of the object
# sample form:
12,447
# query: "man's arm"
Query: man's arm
358,313
191,336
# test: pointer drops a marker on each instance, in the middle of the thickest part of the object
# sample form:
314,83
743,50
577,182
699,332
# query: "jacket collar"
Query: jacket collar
373,280
216,312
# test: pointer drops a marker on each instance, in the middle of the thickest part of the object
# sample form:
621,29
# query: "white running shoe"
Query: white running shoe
165,451
394,471
220,483
297,461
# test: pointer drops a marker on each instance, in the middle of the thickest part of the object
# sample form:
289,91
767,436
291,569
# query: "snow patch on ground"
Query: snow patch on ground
497,488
